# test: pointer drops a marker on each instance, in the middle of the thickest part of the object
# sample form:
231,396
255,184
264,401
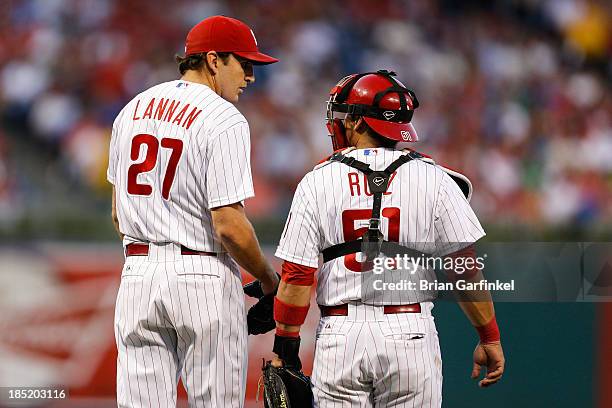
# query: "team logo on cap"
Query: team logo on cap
406,135
253,34
388,114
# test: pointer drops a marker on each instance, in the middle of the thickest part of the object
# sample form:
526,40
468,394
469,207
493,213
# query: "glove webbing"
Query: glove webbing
378,182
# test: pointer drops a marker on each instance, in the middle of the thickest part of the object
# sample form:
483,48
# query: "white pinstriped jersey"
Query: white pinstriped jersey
423,207
177,150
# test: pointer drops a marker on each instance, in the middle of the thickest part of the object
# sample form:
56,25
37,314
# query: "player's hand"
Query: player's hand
271,286
287,351
276,362
257,290
490,356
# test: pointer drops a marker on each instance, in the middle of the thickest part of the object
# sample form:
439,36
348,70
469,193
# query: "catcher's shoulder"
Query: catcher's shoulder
327,159
462,181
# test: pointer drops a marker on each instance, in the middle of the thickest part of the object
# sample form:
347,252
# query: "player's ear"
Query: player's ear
349,127
349,123
212,62
359,125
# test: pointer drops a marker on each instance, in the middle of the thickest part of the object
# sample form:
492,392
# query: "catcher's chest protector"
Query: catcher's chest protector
372,241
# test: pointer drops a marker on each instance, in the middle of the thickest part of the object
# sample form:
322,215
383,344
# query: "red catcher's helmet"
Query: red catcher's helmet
385,104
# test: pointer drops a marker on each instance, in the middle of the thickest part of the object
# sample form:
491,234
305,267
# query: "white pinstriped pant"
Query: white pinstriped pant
180,315
369,359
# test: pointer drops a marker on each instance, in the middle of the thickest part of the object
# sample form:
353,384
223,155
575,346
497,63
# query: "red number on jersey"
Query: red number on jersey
350,233
149,162
176,145
152,147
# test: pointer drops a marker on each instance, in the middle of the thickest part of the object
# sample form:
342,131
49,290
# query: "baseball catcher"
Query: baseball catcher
366,202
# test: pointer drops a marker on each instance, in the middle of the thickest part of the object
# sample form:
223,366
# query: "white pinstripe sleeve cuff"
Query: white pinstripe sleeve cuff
220,202
445,249
297,259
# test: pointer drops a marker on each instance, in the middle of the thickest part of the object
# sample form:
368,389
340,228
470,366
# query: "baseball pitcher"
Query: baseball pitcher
180,169
369,200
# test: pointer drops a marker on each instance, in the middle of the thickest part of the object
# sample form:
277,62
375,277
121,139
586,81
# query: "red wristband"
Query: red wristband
285,333
489,333
291,315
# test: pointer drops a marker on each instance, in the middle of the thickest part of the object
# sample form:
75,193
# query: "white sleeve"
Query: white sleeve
300,240
113,153
456,225
228,174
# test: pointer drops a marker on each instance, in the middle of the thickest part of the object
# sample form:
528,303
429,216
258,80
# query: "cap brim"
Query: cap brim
256,58
402,132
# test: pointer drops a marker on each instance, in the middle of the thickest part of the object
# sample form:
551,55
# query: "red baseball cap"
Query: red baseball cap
225,34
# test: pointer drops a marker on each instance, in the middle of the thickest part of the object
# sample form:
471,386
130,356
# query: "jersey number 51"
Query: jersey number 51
392,214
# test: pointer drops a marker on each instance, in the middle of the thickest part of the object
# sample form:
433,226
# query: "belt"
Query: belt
143,250
342,310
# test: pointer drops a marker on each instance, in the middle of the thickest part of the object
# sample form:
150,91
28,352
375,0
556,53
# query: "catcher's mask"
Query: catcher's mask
385,104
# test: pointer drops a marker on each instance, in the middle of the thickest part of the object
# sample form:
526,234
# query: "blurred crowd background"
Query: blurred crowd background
515,94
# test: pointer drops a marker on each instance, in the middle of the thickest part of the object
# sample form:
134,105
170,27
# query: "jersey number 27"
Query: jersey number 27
151,157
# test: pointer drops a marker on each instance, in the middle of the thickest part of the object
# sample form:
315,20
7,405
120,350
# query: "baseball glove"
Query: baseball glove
286,388
254,288
260,317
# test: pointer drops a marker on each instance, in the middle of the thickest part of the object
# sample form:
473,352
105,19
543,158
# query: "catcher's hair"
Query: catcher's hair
382,141
197,61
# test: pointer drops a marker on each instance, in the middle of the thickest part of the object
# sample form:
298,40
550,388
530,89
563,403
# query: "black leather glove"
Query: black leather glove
286,387
254,289
260,317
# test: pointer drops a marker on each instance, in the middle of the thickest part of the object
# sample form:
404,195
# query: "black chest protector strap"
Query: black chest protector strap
378,182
